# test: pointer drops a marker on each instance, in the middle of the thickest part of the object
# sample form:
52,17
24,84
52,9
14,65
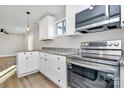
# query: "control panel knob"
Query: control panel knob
83,44
86,44
110,44
116,44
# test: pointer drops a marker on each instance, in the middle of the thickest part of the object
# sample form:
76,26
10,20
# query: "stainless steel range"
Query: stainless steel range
97,66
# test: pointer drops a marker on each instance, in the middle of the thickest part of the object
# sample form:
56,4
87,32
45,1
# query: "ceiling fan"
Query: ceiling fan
3,31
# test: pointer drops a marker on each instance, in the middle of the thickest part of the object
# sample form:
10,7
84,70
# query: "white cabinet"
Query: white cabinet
47,28
40,63
32,62
21,63
54,67
71,11
27,63
43,68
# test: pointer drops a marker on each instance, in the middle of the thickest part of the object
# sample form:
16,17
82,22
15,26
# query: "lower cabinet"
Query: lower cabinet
54,68
50,65
27,63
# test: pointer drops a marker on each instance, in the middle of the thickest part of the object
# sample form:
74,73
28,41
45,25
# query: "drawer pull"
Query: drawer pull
45,59
58,58
58,80
58,68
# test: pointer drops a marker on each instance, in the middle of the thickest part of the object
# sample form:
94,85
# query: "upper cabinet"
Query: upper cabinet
47,28
71,11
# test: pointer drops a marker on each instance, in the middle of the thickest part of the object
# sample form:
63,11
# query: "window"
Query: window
30,42
61,27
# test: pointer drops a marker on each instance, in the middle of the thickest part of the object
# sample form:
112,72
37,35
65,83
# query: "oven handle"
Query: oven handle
101,68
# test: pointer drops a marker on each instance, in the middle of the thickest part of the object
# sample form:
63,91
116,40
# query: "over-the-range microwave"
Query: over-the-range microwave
98,18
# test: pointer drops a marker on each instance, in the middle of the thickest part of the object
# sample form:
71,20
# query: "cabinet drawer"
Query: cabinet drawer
59,69
57,59
60,80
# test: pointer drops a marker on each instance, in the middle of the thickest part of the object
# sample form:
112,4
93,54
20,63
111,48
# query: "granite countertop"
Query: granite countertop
59,53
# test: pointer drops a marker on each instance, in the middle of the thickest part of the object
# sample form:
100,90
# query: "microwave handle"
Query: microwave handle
106,69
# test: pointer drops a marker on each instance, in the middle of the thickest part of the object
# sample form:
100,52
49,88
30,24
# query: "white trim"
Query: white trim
60,20
56,26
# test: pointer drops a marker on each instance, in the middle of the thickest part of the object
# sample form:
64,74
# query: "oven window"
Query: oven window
88,78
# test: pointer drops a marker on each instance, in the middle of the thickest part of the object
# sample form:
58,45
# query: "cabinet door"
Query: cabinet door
43,28
32,63
21,63
57,69
50,65
47,28
40,65
44,67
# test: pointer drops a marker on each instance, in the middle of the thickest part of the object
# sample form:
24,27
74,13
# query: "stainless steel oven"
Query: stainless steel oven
97,66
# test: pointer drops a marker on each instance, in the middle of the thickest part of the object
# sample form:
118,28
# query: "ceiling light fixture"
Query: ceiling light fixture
28,28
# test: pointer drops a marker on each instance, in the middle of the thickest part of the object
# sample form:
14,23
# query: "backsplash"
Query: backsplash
75,41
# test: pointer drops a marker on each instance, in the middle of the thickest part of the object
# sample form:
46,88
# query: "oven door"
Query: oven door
92,76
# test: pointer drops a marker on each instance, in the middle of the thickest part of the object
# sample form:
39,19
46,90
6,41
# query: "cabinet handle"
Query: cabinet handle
45,59
58,68
58,58
58,80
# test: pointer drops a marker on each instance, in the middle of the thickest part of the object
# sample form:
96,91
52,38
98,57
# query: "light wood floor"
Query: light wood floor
36,80
6,62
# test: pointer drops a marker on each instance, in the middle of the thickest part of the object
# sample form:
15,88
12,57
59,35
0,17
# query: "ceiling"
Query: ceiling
13,18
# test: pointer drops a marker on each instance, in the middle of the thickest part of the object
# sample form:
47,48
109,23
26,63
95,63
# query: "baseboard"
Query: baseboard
25,74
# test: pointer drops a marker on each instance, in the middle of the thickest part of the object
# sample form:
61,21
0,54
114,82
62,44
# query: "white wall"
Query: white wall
75,41
11,44
35,39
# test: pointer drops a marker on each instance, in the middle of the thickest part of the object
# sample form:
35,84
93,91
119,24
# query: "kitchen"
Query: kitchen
61,46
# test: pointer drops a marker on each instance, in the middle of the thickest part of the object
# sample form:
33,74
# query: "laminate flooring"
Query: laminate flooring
36,80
